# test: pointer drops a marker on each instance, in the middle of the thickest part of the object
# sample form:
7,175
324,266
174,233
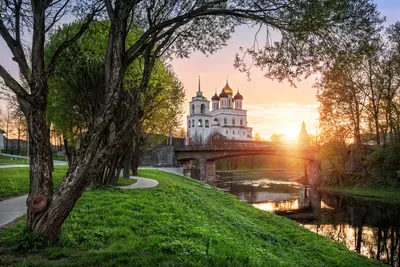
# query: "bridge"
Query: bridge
207,155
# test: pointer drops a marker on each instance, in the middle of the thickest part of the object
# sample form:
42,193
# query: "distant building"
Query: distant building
303,139
226,118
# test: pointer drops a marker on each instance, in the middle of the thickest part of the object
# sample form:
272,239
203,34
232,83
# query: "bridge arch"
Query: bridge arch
208,155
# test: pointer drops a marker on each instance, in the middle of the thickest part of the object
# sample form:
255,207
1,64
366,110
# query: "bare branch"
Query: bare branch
11,83
67,43
16,49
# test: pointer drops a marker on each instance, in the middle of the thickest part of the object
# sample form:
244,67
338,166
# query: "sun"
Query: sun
291,134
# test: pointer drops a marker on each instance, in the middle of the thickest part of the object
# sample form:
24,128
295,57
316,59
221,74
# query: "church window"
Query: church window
200,124
216,121
225,121
207,125
229,102
189,124
233,121
193,123
233,132
202,108
226,131
192,108
241,122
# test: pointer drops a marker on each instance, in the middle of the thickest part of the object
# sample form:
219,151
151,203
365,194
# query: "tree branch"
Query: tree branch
16,49
67,43
11,83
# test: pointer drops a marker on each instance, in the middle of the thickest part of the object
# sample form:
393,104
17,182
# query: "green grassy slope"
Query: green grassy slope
179,223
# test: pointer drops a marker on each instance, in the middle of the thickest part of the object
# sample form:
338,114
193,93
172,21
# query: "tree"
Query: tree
277,137
342,99
76,89
310,31
257,137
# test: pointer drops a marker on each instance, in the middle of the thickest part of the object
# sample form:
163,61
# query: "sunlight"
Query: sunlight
291,134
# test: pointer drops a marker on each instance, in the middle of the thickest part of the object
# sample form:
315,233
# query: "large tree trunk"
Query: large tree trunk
136,153
126,163
68,152
41,182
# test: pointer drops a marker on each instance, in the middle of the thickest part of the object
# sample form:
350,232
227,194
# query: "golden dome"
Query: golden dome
227,89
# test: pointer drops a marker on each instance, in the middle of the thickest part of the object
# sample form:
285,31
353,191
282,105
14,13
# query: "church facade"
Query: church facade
226,117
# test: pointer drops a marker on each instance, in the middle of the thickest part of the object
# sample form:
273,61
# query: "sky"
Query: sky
272,107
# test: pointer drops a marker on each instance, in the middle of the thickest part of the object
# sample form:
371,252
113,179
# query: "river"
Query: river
370,227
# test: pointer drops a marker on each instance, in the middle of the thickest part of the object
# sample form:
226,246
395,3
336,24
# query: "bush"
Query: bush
384,165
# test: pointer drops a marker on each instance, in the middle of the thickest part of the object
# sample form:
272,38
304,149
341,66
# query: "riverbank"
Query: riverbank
181,222
392,194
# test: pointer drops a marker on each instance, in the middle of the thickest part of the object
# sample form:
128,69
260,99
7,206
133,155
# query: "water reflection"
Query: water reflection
367,226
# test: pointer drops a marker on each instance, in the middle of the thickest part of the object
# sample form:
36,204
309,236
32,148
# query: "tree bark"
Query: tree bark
41,182
68,152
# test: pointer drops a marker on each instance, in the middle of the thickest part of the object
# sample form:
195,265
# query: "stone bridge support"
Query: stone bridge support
207,171
186,165
313,170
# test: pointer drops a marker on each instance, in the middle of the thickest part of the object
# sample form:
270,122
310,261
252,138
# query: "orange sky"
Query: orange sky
273,107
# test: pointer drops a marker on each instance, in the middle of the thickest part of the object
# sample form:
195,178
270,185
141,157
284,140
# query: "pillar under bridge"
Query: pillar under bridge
313,172
207,171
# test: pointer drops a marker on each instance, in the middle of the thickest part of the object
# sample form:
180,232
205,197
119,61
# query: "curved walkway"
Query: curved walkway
141,183
13,208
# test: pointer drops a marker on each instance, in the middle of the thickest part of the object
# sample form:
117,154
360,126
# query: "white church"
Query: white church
226,118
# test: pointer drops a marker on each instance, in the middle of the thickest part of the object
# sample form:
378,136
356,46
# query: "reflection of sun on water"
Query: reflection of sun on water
277,206
324,206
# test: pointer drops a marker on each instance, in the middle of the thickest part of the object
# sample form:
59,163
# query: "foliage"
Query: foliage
77,88
334,157
23,241
277,137
384,165
179,223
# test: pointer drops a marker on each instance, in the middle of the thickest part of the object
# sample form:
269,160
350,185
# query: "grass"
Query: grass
56,157
15,181
178,223
126,181
5,160
377,192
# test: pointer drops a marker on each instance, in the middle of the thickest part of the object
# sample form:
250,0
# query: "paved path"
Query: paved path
141,183
13,166
13,208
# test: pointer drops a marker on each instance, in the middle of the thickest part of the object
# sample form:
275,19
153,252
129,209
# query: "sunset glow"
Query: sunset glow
272,107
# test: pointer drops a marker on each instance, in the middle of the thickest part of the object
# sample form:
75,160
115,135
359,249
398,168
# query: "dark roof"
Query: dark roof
223,94
238,96
215,97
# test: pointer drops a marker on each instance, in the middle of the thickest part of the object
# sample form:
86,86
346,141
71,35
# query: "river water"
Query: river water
369,227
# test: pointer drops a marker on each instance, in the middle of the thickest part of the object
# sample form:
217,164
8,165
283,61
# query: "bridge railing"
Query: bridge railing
238,145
